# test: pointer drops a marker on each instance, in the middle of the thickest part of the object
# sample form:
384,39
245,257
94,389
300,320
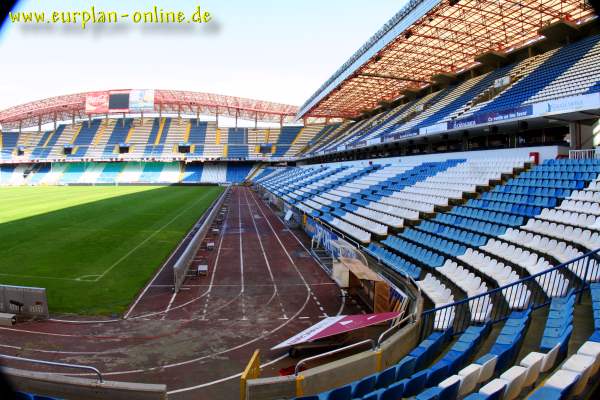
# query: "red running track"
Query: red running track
263,286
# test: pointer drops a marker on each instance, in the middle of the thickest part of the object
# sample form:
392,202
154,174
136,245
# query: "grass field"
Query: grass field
93,248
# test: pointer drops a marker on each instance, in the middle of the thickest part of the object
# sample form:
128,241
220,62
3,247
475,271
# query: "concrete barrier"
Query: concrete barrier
339,372
68,387
184,261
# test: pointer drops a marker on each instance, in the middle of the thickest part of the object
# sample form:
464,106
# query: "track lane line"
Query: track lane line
268,264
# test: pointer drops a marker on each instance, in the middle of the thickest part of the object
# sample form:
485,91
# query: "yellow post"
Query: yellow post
379,357
99,134
48,138
218,136
129,133
300,132
225,150
188,128
252,371
299,388
77,133
161,126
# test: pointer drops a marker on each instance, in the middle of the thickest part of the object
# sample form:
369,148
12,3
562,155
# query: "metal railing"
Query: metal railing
332,352
393,328
584,154
55,364
533,292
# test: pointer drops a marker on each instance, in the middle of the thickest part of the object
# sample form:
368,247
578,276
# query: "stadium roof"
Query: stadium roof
63,108
431,37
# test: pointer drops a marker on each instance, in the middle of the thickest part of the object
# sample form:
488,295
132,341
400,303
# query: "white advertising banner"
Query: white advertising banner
141,100
568,104
441,127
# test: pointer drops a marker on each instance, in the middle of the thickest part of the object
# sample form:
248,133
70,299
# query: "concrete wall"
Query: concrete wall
336,373
340,372
68,387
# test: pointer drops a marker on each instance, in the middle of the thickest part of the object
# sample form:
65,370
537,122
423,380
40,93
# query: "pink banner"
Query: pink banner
332,326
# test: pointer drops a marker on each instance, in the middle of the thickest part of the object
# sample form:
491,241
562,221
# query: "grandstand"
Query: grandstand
448,172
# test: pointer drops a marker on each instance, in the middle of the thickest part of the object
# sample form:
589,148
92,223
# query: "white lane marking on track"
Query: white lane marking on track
342,303
169,306
243,299
224,379
241,345
262,249
252,285
263,336
79,353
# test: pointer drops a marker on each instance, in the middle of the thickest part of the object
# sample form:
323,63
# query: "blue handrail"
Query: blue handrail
459,322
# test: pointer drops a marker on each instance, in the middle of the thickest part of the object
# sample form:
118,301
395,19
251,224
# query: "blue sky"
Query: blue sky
278,50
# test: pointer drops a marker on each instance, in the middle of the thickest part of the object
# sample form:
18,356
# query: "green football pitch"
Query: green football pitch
93,248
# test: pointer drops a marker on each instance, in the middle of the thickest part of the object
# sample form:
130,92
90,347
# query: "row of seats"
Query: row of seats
441,296
395,262
441,245
539,201
456,234
580,219
496,217
403,378
568,71
509,208
571,379
419,253
495,362
160,137
410,376
125,172
560,250
487,228
357,233
586,207
584,237
472,285
517,295
553,284
559,193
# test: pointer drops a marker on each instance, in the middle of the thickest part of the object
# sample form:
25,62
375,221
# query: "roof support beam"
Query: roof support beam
392,77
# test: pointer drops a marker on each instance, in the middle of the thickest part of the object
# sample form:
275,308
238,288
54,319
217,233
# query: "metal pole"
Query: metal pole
55,364
392,328
358,344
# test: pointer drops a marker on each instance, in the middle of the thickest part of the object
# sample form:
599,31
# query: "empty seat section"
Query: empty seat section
237,173
118,136
151,172
84,138
192,173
